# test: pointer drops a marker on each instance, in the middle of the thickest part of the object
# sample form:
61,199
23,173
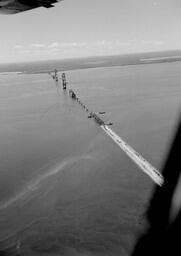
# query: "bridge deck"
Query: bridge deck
145,166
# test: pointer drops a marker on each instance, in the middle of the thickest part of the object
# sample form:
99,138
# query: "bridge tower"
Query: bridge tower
64,82
56,75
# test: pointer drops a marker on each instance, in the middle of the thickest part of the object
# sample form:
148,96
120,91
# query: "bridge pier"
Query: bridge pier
64,82
56,75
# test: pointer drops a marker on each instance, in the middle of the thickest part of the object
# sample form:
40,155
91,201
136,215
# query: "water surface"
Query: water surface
64,185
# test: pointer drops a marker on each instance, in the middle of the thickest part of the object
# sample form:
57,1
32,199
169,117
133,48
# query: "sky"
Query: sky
80,28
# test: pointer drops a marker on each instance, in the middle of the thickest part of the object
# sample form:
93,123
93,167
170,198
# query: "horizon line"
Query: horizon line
90,56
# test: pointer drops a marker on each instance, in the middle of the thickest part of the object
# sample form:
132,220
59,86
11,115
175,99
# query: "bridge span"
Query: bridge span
144,165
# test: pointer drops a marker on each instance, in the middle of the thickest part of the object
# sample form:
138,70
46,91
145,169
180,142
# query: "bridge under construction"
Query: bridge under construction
137,158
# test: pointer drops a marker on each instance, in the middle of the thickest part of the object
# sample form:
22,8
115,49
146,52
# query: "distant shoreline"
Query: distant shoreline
146,61
48,66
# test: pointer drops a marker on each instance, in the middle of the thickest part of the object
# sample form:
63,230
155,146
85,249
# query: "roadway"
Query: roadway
144,165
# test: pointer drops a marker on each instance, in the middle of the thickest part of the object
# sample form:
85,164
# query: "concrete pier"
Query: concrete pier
64,82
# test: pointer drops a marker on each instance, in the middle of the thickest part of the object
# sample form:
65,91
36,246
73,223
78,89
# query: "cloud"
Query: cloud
156,3
103,43
18,46
152,42
37,45
54,45
25,52
119,44
67,44
53,50
112,43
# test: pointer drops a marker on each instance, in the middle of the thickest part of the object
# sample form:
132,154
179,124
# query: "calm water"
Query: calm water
64,185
